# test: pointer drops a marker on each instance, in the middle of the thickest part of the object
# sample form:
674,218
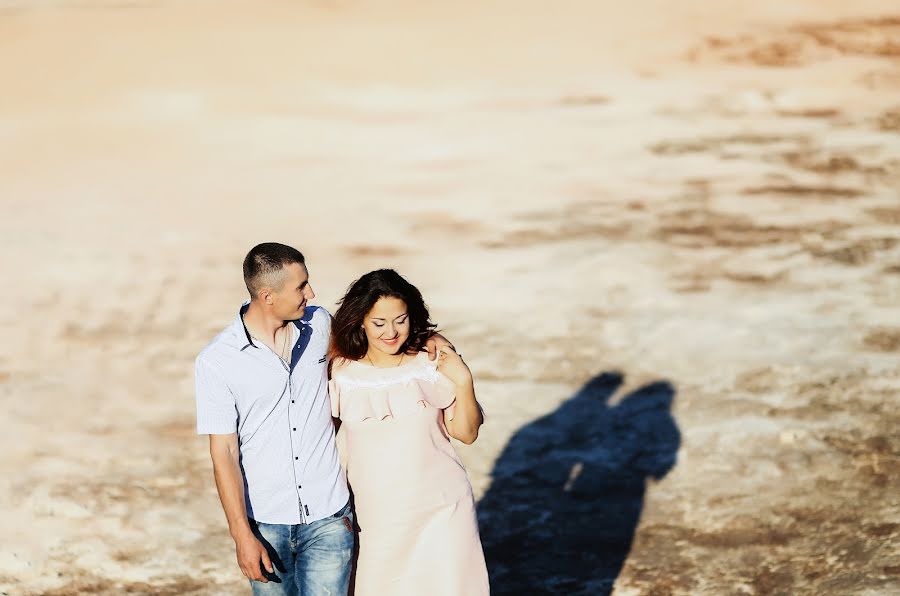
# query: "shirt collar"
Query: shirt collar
242,334
239,329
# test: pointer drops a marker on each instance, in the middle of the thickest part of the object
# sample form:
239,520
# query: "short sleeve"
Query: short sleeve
443,392
338,364
216,407
334,395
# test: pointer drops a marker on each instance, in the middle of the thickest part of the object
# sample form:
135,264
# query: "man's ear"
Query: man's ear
265,296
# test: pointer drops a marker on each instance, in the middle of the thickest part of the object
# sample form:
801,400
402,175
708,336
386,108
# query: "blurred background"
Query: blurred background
666,235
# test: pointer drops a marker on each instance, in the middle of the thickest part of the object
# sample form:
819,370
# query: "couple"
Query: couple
262,390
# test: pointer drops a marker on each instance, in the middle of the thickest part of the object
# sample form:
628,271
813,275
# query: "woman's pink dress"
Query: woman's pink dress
418,534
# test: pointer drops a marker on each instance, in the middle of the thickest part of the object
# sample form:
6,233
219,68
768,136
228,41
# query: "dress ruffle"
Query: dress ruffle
389,393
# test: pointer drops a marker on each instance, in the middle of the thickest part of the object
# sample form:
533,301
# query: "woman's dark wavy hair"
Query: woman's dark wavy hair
348,339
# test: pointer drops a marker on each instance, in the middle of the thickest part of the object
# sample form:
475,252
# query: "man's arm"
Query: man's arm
225,453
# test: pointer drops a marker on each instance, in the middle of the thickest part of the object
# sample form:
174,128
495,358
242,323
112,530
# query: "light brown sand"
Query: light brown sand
704,192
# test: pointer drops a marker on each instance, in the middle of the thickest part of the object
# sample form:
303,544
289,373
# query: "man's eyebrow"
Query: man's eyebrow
303,285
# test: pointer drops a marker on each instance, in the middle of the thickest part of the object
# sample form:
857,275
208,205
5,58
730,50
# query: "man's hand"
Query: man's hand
226,453
434,345
250,552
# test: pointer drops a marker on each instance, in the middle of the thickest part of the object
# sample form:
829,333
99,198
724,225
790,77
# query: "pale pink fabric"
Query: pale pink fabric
414,505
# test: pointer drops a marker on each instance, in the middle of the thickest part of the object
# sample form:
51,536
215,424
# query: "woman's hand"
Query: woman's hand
464,424
451,364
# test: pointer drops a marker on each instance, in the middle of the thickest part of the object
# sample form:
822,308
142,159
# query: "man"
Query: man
262,397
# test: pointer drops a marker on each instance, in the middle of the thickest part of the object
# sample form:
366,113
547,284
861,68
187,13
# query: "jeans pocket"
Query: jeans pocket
344,512
346,516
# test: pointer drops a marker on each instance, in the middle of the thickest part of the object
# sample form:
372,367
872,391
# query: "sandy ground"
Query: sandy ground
666,236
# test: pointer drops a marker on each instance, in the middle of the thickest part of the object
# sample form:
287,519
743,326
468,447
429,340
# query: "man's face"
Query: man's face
289,302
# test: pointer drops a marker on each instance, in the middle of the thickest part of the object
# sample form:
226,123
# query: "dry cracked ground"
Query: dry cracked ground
677,285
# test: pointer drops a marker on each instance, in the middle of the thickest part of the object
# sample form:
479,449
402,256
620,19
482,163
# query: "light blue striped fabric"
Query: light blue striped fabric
283,420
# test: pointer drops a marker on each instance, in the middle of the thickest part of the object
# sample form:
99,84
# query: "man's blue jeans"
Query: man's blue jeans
309,559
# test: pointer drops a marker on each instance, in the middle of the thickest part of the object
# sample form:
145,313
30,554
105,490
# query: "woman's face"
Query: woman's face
387,325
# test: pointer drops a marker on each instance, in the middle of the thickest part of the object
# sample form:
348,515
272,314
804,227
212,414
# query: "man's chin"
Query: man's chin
297,314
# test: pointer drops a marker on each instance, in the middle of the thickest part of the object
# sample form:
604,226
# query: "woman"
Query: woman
418,533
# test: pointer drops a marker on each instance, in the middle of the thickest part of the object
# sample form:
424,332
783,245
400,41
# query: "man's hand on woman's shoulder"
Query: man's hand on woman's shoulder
435,343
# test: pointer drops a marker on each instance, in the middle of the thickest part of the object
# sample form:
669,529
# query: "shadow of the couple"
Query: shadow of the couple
568,490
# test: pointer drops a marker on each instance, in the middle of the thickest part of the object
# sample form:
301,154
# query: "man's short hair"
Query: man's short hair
264,263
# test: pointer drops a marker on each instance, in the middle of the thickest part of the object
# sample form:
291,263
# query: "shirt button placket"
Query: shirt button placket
294,448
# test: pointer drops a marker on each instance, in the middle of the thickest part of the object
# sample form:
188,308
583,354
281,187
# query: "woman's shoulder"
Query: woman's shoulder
339,366
423,358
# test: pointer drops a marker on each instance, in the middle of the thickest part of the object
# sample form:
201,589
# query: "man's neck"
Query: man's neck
261,324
